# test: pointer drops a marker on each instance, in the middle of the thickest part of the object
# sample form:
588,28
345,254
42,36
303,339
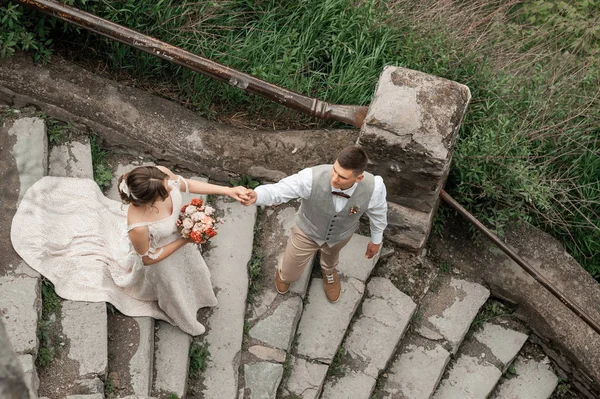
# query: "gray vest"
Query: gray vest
317,217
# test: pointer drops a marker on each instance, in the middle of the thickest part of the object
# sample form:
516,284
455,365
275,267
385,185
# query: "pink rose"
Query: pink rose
207,220
196,217
188,223
190,209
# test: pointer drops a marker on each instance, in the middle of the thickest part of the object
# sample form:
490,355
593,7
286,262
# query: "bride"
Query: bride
95,249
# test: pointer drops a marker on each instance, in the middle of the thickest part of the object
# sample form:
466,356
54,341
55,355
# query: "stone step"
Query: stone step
227,260
273,318
131,372
323,325
533,379
73,159
439,326
482,360
448,310
30,151
373,338
172,348
417,370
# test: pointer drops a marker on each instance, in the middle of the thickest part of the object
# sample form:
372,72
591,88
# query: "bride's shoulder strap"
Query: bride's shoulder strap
180,180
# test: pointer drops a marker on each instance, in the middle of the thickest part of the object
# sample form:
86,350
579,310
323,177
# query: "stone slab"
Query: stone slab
92,396
374,336
277,330
20,309
90,386
504,343
85,325
262,379
266,353
227,261
141,365
354,384
73,159
469,377
417,370
306,379
407,227
31,377
353,262
172,348
324,324
451,309
30,151
416,118
533,380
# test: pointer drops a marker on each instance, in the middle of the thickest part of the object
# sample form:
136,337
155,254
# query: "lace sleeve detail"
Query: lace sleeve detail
182,180
152,253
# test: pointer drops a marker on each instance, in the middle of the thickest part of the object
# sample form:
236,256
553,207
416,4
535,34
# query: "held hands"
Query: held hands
252,196
239,193
372,250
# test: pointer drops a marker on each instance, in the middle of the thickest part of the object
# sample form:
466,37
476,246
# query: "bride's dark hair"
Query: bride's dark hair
143,185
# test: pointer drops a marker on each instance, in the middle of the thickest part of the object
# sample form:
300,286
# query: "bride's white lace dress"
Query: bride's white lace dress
68,231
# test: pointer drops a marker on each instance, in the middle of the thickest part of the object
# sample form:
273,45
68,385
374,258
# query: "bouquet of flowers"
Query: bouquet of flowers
196,221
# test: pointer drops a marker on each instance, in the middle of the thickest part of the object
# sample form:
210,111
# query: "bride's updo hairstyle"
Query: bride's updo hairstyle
142,186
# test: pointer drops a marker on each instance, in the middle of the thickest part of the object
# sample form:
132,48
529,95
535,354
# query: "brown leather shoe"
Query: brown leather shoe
332,286
281,286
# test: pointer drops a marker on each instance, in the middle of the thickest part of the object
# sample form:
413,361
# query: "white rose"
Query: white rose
186,232
187,223
190,209
196,217
198,227
209,210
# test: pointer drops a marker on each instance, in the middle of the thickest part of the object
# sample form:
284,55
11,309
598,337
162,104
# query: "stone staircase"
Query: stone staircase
376,342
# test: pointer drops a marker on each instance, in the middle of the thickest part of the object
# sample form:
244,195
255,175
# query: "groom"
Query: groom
333,199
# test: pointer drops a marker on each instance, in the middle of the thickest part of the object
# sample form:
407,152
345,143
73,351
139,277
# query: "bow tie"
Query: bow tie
341,194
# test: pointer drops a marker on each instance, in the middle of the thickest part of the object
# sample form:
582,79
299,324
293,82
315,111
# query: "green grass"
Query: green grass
102,172
199,357
491,310
336,368
530,142
50,301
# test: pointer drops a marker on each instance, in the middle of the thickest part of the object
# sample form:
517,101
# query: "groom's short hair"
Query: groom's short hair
353,158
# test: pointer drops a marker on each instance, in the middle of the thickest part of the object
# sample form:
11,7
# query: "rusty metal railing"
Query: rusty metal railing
520,261
350,114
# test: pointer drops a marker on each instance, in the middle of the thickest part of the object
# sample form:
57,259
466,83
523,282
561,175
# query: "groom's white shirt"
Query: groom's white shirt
299,185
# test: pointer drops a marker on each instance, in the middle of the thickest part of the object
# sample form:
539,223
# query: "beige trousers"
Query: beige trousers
299,250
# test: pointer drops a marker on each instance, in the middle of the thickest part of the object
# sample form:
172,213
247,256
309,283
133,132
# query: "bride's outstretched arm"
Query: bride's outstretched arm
198,187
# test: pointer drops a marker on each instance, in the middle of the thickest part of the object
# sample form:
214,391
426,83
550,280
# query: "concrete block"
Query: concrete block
85,325
451,310
469,377
410,131
262,379
31,377
374,336
533,380
407,227
278,329
354,384
20,309
323,324
30,151
141,365
92,396
306,379
417,370
227,261
73,159
503,343
172,360
353,262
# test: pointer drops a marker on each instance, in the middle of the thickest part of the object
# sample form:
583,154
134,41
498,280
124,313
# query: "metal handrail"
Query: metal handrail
350,114
520,261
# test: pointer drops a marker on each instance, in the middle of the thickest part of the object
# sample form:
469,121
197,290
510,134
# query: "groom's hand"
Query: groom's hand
239,193
251,197
372,249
